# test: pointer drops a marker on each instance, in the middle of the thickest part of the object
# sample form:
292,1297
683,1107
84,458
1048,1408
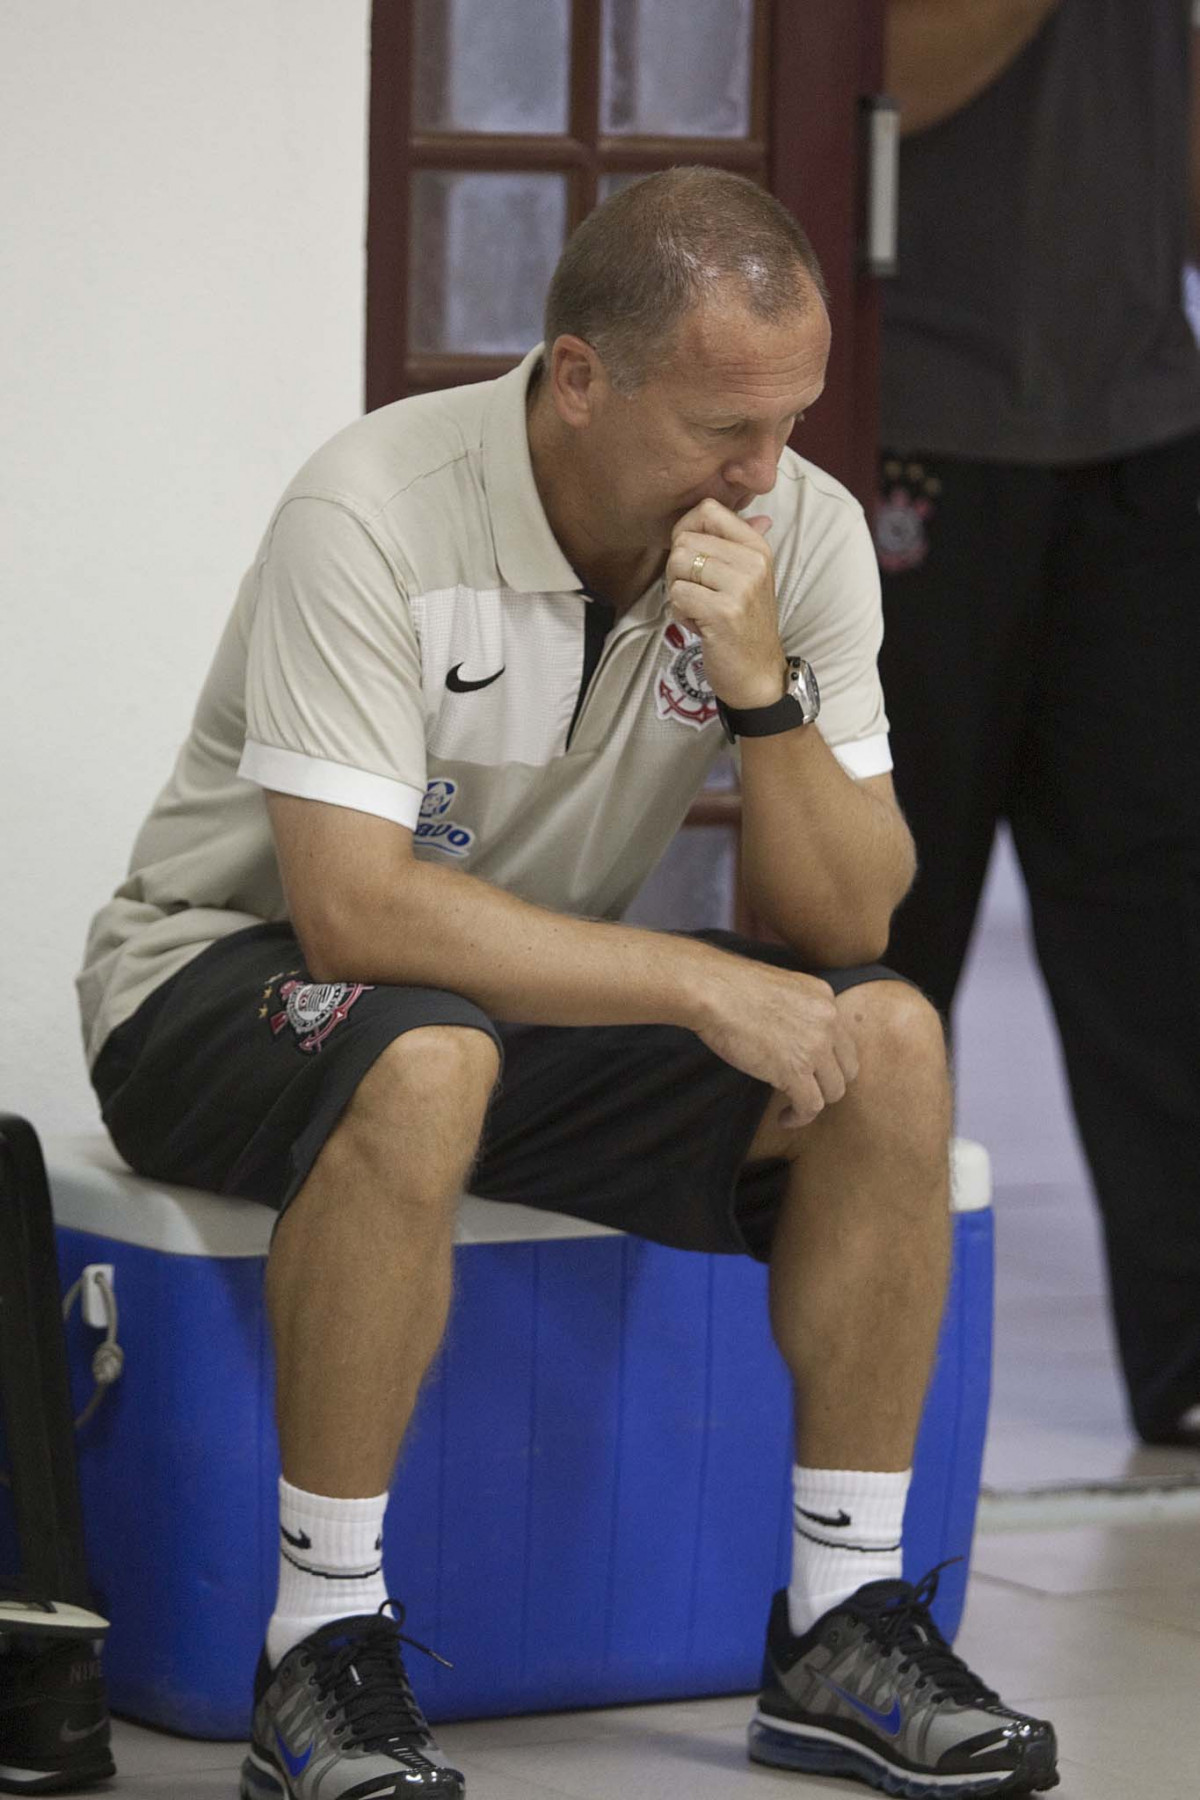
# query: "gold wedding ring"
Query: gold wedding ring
698,563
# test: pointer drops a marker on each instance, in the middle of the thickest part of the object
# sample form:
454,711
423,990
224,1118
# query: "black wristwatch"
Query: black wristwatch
800,705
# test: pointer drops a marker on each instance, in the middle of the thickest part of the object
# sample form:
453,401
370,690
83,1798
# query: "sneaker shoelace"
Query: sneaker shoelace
362,1675
898,1618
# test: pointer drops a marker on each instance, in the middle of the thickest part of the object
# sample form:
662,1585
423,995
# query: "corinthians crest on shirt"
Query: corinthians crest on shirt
681,691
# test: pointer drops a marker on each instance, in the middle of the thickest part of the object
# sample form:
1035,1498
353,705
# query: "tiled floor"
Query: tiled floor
1096,1626
1097,1629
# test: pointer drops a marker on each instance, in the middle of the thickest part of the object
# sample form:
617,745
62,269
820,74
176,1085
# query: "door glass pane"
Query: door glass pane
693,885
482,253
613,184
480,66
672,71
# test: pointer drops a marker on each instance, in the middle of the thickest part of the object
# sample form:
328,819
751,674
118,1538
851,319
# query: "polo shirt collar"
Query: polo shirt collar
527,551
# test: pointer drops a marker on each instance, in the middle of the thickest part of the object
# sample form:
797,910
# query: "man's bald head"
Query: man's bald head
639,264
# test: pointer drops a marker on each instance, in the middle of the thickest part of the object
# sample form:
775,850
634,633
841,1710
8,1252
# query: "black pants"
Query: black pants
1042,664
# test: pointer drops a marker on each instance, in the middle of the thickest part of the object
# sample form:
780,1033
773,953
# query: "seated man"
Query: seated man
490,645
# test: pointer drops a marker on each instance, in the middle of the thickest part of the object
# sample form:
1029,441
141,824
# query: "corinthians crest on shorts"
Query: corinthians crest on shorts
681,691
312,1008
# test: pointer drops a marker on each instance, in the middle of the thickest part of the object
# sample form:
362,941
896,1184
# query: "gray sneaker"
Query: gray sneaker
338,1717
875,1692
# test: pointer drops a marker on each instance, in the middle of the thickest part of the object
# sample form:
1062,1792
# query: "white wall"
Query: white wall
182,204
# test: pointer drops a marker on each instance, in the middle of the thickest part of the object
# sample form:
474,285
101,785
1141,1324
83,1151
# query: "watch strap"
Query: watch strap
785,714
761,721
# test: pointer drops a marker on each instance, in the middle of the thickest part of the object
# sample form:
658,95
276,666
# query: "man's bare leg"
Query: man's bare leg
358,1289
856,1681
860,1259
360,1272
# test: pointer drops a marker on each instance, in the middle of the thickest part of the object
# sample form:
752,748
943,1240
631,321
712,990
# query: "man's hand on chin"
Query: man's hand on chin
721,583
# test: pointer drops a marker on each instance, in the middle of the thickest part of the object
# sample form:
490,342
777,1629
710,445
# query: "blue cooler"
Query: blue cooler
593,1505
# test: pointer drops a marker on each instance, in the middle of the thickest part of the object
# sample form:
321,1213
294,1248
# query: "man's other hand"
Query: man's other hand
785,1029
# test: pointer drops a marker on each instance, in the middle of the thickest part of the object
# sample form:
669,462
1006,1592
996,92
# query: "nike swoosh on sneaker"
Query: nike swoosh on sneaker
842,1519
295,1765
69,1736
301,1541
890,1722
457,685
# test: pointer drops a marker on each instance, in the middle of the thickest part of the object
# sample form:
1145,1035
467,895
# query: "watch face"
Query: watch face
802,686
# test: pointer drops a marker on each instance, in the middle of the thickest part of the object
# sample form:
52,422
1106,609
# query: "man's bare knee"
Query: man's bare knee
429,1092
442,1066
899,1034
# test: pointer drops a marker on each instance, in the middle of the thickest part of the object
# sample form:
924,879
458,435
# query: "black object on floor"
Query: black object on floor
54,1724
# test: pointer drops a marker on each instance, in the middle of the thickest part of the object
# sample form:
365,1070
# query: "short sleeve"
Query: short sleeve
831,613
334,710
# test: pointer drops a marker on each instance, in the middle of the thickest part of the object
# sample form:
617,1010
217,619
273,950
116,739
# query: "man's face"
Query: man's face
711,421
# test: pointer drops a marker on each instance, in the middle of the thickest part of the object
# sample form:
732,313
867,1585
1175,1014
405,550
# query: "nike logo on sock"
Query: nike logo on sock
300,1542
840,1544
837,1524
333,1574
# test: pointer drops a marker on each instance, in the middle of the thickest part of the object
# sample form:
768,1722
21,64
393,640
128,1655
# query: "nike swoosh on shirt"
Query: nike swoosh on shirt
457,685
843,1518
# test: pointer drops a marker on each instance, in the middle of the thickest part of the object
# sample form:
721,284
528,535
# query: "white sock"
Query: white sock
846,1531
330,1564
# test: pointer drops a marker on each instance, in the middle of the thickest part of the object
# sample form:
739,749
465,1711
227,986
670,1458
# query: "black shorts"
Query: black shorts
232,1075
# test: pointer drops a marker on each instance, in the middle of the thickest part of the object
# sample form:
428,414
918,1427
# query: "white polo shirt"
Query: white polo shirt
412,642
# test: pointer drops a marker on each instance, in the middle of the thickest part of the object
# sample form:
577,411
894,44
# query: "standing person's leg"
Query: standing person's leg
1107,826
961,548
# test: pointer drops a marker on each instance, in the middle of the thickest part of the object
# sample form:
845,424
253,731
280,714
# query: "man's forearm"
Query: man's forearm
365,909
444,928
941,53
825,861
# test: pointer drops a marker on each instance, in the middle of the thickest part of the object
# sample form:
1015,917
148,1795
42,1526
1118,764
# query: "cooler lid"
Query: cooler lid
93,1190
